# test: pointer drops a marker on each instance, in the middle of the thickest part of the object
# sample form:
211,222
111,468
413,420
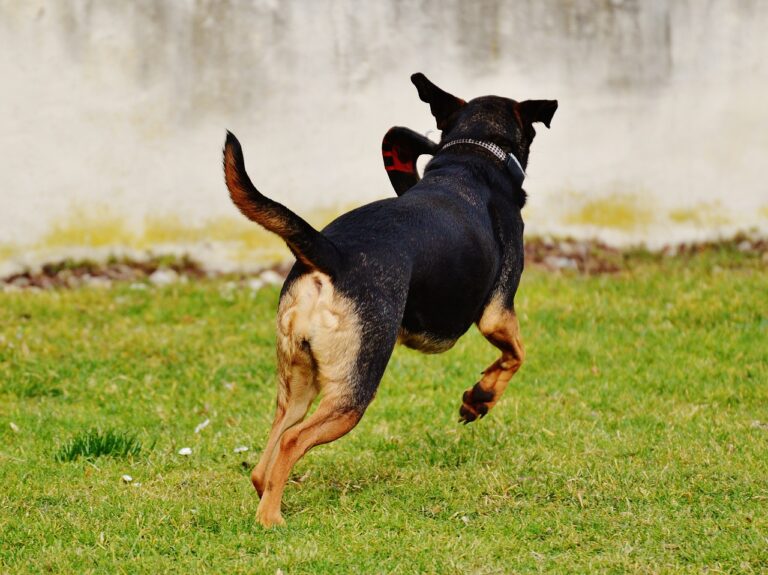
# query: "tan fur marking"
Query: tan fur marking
326,424
318,339
239,195
501,327
423,343
314,312
297,389
516,109
263,215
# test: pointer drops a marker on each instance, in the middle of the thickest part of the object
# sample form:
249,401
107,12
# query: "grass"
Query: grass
634,439
95,443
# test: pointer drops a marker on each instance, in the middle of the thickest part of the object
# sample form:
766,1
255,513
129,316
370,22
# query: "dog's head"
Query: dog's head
504,122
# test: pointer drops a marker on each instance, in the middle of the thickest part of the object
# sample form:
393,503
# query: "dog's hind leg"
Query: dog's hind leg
343,351
296,392
298,383
343,403
329,422
499,325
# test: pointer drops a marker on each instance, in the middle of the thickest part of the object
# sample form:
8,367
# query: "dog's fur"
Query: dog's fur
419,269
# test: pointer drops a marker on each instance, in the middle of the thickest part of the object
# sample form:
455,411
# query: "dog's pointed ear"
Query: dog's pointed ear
538,111
440,102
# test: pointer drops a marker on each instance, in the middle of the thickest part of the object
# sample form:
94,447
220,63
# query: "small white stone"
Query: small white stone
201,426
185,451
21,282
96,281
271,277
127,478
163,277
240,449
560,263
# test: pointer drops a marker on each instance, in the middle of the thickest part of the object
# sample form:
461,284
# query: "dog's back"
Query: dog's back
428,251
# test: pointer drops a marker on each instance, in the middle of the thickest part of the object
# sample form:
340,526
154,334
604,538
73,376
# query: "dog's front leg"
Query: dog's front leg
499,325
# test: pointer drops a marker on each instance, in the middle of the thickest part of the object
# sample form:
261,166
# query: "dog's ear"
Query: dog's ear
441,103
538,111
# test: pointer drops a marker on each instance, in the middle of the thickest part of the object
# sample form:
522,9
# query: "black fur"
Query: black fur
429,261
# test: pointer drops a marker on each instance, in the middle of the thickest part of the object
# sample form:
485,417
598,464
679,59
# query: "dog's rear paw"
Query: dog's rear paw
475,403
270,519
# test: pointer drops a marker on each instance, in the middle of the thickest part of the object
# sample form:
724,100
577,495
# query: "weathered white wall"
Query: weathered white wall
118,109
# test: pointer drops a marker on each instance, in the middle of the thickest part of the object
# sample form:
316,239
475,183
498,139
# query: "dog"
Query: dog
418,269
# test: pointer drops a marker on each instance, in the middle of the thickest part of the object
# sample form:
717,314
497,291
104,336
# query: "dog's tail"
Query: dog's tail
308,245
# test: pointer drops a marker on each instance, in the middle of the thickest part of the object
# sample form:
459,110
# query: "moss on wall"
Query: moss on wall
621,212
706,214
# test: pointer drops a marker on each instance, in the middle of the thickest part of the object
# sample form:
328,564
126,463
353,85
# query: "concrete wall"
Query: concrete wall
113,113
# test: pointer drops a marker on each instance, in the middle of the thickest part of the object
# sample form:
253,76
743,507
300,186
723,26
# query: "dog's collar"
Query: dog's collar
509,160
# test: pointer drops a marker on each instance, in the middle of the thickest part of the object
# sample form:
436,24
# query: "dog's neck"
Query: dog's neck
508,159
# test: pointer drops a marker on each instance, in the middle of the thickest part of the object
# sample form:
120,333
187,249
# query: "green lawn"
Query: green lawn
634,439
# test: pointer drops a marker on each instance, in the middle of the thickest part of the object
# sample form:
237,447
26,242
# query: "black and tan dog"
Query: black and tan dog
419,269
